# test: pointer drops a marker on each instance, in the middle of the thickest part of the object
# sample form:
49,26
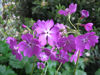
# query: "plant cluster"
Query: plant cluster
57,42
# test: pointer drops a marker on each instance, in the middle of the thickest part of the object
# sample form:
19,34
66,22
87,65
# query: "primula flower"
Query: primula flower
40,65
51,53
14,47
72,9
62,28
86,41
48,33
88,26
43,56
30,46
62,57
67,43
84,13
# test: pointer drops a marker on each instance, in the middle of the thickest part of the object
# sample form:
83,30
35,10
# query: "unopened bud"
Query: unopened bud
24,26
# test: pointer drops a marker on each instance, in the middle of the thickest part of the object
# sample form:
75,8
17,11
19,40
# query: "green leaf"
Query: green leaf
6,70
4,48
97,72
80,72
28,68
4,52
16,63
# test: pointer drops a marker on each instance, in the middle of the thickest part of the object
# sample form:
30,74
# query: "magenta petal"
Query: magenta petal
49,24
22,46
42,39
88,26
72,8
52,39
27,37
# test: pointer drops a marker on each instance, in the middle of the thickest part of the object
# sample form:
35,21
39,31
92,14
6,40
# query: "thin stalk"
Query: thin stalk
28,29
46,69
71,23
58,68
76,63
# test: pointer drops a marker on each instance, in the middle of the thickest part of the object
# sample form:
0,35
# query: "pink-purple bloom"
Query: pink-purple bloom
72,9
30,46
84,13
51,53
62,28
43,56
67,43
88,26
14,47
47,32
40,65
86,41
63,56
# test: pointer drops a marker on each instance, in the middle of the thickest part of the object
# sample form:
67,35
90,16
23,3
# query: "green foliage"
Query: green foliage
80,72
6,70
97,72
27,12
4,52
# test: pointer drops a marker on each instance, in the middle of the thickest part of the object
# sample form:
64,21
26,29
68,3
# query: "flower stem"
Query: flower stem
58,68
71,22
76,63
46,69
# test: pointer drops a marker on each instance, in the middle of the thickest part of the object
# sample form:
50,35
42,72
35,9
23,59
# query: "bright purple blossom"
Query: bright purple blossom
14,47
62,28
72,9
86,41
48,33
67,43
40,65
24,26
51,53
30,46
88,26
84,13
62,57
43,56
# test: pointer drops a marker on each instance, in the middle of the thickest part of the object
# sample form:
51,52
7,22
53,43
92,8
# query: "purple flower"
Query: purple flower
62,28
43,56
14,47
62,57
24,26
51,53
88,26
86,41
75,56
40,65
30,46
84,13
48,33
72,9
67,43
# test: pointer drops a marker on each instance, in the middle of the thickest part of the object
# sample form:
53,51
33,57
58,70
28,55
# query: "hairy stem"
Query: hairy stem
58,69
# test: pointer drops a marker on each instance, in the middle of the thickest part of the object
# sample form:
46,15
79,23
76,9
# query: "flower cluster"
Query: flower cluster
47,33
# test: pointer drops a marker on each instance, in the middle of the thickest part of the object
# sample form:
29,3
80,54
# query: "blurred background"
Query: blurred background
14,13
